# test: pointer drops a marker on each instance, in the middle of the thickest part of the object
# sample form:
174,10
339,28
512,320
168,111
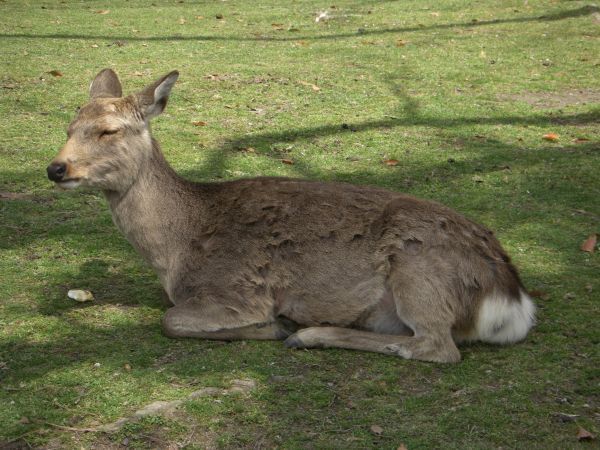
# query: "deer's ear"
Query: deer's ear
106,84
153,99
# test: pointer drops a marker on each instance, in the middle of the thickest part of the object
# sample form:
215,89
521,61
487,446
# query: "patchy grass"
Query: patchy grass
461,97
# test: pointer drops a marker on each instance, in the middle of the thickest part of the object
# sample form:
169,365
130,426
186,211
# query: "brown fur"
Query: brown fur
364,267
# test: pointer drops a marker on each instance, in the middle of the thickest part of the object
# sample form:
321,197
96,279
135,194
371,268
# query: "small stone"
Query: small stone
80,295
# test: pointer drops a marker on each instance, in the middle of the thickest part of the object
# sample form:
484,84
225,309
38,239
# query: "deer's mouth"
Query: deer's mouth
70,183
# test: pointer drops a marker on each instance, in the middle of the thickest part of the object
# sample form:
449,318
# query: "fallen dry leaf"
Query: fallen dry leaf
94,45
127,367
580,140
584,435
24,420
182,21
287,161
391,162
199,123
103,11
199,17
56,73
589,245
313,86
401,43
552,137
277,26
377,430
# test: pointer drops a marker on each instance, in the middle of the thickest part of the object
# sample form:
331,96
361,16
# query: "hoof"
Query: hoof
293,341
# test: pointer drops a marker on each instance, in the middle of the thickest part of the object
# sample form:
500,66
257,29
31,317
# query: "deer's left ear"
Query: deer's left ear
153,99
106,84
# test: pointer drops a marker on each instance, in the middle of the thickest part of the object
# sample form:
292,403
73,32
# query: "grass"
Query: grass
460,96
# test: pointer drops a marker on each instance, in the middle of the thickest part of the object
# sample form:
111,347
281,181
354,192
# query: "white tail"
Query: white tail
504,321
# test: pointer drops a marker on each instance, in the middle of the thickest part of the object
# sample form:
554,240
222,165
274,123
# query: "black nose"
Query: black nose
56,171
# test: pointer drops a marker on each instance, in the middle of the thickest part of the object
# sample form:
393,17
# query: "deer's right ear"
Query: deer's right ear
154,98
106,85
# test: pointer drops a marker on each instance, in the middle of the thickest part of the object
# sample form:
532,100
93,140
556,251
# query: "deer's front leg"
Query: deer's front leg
222,322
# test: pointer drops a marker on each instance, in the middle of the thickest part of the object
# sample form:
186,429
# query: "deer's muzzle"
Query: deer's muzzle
56,171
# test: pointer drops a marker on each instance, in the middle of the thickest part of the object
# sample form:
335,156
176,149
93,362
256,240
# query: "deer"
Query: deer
314,264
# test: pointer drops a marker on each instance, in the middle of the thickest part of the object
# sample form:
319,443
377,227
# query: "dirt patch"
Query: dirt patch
14,196
552,100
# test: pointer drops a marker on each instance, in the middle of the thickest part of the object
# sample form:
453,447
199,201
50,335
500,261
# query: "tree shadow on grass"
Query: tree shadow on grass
264,140
560,15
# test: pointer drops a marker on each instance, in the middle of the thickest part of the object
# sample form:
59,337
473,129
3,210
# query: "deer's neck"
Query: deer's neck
156,213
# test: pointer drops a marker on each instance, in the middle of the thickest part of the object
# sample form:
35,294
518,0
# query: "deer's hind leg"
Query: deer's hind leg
436,348
218,322
420,305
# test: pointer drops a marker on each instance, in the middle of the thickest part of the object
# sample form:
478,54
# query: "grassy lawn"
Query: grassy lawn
461,96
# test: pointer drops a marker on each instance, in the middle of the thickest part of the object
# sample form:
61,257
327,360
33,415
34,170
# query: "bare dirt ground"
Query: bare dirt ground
553,100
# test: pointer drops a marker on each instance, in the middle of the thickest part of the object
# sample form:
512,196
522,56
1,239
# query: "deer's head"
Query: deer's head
109,139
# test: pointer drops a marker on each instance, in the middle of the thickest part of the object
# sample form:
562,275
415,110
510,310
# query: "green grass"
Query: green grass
462,106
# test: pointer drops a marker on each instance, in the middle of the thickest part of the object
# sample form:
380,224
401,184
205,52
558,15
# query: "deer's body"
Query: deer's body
351,266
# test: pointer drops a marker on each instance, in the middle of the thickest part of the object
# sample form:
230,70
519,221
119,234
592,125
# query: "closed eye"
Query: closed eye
104,133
